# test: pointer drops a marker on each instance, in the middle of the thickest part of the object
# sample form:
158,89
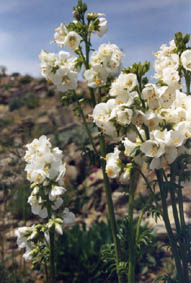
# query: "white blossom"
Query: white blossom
113,167
186,60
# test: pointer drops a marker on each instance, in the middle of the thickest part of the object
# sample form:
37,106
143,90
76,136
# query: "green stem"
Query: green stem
110,205
132,255
92,96
52,248
180,204
182,222
105,177
138,133
150,189
85,124
46,272
159,175
187,76
173,200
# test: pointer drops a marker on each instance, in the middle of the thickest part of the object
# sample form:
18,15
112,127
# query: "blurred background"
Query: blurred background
138,27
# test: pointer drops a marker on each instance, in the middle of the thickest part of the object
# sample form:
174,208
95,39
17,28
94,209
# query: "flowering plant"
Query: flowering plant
146,123
45,170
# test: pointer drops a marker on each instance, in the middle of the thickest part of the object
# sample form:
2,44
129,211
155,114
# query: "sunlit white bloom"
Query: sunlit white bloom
167,96
151,120
150,93
182,100
138,118
186,60
171,77
165,160
65,59
122,115
37,205
113,167
102,116
103,27
176,138
55,195
60,34
65,79
153,148
163,62
108,56
60,69
72,40
184,128
96,76
166,50
129,146
44,162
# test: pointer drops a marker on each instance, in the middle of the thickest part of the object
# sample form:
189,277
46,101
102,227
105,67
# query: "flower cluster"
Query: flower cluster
60,69
156,119
118,109
45,170
105,62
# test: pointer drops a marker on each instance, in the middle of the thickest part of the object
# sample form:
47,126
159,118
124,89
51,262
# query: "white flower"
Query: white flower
103,27
96,76
102,116
125,176
166,159
68,218
108,56
27,255
186,60
113,167
167,96
124,116
151,120
56,192
65,79
37,206
153,148
60,34
171,77
129,146
21,236
72,40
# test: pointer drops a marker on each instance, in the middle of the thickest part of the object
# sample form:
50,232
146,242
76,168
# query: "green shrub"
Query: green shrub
31,100
15,74
147,255
7,86
5,123
26,79
51,92
79,254
15,103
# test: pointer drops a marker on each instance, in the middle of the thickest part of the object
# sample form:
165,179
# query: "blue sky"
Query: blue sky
138,27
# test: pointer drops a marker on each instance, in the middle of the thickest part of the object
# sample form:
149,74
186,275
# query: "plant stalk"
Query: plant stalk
110,206
132,236
52,248
174,248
